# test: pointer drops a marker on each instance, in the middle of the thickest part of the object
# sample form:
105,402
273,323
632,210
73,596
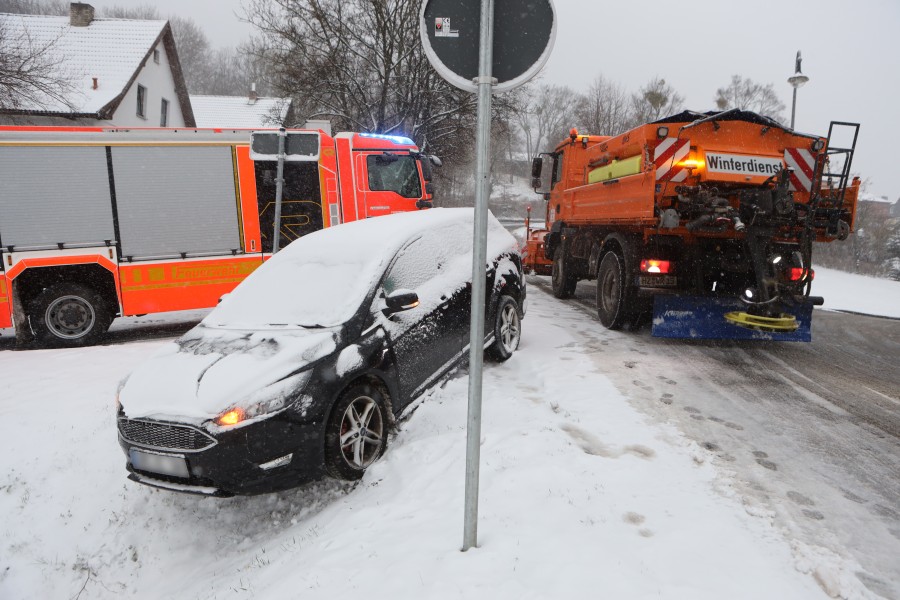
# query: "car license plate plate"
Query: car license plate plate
164,464
657,280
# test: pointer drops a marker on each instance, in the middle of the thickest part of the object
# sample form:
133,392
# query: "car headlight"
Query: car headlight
231,417
267,401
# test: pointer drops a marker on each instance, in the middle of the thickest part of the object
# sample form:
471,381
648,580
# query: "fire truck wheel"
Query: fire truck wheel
562,282
613,292
507,329
68,315
357,432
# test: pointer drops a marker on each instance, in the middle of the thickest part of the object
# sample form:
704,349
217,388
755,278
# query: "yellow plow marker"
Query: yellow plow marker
772,324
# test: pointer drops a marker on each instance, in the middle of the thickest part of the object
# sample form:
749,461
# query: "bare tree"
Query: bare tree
32,73
605,108
35,7
653,101
146,12
544,114
360,64
747,94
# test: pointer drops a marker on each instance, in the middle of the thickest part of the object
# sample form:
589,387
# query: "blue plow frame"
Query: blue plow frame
703,318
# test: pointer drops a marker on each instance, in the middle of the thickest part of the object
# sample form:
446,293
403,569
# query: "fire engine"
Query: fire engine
97,223
705,222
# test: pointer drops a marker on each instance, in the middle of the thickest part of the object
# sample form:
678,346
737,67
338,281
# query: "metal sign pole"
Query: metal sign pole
279,191
479,260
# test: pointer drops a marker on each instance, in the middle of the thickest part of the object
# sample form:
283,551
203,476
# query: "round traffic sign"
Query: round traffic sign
524,31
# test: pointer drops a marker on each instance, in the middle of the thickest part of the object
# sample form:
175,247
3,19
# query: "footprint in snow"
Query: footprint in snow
642,385
800,499
591,444
634,518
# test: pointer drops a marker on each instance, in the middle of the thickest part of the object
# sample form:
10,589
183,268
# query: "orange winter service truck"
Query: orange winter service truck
97,223
704,222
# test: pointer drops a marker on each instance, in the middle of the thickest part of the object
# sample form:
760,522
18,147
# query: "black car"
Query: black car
302,370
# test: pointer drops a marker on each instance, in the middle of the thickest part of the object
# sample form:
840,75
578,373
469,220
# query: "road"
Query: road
810,433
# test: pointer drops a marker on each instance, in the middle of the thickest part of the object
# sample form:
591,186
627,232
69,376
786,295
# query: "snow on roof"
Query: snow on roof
239,111
109,49
868,197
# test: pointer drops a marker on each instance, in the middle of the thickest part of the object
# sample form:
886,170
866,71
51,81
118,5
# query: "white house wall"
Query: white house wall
160,83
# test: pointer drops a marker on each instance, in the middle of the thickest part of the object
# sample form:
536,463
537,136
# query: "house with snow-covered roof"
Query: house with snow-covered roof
240,112
121,72
876,207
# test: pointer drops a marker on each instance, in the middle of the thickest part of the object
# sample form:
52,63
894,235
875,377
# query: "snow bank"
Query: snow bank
857,293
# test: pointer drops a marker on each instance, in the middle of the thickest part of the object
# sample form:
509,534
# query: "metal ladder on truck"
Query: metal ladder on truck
832,177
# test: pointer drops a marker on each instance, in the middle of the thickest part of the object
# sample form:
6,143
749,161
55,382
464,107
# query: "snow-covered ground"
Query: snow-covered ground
857,293
581,495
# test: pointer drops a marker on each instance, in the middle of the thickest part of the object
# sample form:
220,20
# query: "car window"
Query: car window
416,263
399,174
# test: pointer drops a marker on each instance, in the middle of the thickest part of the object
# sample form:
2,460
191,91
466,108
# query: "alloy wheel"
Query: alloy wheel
362,431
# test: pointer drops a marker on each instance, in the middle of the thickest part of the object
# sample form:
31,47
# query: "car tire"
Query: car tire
68,315
614,295
507,329
356,433
561,281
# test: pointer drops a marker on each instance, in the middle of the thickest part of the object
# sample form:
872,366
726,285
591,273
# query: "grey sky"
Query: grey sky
850,53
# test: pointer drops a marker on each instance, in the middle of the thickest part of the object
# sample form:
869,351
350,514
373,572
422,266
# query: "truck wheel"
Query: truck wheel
507,329
562,282
357,431
68,315
614,295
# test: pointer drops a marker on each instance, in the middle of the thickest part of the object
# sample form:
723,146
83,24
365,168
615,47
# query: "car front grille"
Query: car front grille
164,435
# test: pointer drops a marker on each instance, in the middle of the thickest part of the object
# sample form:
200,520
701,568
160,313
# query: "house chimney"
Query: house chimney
80,15
94,87
253,97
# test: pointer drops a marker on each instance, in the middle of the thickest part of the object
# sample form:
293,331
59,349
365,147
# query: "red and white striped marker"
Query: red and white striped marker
803,162
666,157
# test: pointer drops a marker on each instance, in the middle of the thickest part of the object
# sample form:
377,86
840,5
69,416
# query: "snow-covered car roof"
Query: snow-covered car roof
321,279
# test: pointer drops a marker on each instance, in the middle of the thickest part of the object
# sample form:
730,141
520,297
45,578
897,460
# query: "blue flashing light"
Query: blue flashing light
397,139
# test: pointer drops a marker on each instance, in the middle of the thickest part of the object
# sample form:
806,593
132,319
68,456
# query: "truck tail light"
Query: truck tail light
652,265
798,273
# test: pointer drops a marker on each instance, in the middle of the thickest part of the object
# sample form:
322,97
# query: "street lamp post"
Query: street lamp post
797,80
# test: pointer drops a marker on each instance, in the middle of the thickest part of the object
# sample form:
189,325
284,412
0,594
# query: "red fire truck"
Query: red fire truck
97,223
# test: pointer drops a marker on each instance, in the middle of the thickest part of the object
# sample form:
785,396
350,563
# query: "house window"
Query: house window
142,101
156,56
164,113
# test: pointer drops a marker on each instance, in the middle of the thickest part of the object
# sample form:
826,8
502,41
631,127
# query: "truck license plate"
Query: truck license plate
657,280
174,466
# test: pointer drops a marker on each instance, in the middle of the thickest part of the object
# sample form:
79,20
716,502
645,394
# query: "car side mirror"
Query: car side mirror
399,301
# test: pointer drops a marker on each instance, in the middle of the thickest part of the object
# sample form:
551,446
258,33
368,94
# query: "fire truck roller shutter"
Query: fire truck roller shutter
175,198
54,194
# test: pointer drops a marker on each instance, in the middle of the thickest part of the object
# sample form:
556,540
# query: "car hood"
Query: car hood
211,370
